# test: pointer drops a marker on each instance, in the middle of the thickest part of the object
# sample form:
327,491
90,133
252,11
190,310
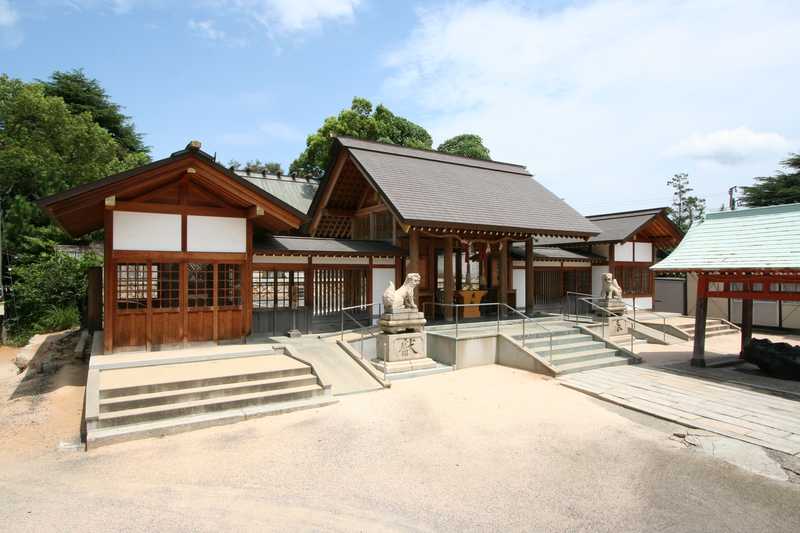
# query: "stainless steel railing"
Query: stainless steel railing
526,320
606,320
361,329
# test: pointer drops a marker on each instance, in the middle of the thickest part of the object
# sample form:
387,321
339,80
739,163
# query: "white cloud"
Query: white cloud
290,16
10,33
590,96
729,147
267,130
8,15
207,29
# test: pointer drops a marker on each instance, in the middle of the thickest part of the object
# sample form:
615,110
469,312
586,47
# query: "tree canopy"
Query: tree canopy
256,165
467,145
362,122
45,148
84,94
782,188
686,209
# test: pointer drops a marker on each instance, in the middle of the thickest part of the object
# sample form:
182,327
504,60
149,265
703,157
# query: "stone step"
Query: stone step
148,399
110,435
575,357
192,407
557,339
581,346
718,327
625,341
593,364
203,381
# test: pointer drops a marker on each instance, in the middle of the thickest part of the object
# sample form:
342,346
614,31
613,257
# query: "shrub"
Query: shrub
47,293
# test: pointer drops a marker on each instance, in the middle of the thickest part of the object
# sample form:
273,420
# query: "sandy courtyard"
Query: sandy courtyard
488,448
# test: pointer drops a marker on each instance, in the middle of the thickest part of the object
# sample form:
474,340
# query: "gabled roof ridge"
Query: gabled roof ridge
626,214
760,210
486,164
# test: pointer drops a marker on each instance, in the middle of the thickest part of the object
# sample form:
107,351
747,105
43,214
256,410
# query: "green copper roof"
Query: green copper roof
747,239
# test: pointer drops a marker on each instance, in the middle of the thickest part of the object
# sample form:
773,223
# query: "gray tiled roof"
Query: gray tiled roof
297,192
430,187
614,226
546,253
284,244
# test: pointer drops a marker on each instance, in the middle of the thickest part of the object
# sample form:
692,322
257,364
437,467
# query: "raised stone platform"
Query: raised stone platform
402,321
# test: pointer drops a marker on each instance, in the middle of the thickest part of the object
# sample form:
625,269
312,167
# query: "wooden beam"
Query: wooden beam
380,208
503,274
326,194
110,202
143,207
747,324
530,279
255,211
449,282
334,212
413,256
701,310
109,283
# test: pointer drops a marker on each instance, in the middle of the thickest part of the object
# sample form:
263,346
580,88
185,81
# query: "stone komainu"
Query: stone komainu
403,298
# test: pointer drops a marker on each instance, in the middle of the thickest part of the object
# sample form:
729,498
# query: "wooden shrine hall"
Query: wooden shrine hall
196,252
747,255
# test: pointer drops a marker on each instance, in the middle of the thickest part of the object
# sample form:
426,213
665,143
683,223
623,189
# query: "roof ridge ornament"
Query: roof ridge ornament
194,145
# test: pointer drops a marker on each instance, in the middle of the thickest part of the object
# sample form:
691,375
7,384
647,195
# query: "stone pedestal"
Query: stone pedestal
402,352
402,321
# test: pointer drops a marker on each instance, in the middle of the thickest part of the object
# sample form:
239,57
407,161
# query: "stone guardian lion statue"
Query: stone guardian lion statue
611,289
401,299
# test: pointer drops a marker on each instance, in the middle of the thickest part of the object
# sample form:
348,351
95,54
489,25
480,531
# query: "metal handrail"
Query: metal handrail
344,310
566,298
611,313
362,328
525,318
731,324
633,307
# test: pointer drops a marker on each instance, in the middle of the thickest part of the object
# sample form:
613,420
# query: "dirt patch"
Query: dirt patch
42,406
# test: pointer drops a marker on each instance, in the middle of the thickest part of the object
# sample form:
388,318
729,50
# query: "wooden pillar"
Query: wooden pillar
109,283
747,324
503,272
530,284
413,257
247,283
449,281
459,268
94,299
701,309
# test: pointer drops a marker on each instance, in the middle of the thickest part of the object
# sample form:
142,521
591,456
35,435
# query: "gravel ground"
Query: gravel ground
488,448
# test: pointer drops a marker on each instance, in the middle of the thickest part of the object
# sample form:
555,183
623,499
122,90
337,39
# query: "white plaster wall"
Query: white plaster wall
158,232
216,234
791,315
597,279
380,280
518,284
623,252
644,252
765,313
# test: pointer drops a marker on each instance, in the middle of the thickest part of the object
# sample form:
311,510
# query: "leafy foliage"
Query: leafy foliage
45,147
85,95
48,292
467,145
686,209
361,122
783,188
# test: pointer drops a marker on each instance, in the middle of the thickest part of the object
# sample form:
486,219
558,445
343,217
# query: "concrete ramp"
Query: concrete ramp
332,364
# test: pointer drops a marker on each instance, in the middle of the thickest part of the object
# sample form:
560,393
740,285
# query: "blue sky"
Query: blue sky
602,100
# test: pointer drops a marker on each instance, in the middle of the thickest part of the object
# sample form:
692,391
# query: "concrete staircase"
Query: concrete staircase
156,400
573,350
714,328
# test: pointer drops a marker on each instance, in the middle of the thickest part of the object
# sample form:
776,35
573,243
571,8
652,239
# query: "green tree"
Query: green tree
686,209
782,188
44,149
361,122
84,94
467,145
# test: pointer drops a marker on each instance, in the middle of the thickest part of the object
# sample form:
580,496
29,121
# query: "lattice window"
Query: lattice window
132,286
361,227
263,289
229,285
634,280
165,283
383,224
298,289
282,289
200,290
